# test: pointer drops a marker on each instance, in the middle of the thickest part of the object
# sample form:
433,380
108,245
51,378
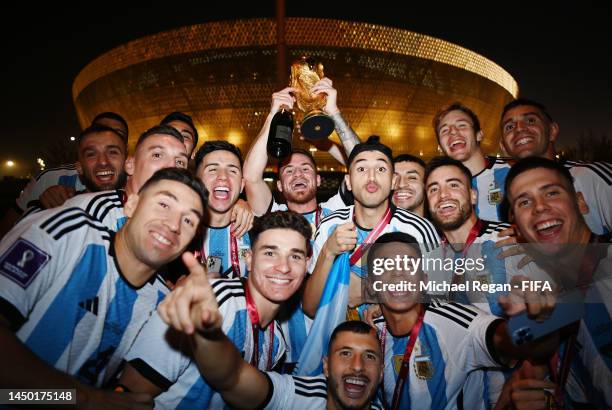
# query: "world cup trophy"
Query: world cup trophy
305,72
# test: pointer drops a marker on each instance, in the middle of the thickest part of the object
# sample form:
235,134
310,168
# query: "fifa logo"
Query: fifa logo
26,257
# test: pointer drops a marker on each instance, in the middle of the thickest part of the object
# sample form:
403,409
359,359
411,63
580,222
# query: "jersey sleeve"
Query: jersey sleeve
479,349
597,193
281,394
159,353
29,266
321,235
29,194
467,334
35,188
338,201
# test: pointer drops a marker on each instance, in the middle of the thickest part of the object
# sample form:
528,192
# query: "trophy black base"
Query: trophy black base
316,126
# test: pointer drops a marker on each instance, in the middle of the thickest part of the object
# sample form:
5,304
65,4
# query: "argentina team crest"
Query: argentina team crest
242,253
397,362
483,277
495,195
423,365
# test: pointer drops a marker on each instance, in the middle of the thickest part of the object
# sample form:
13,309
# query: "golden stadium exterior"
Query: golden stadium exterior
390,81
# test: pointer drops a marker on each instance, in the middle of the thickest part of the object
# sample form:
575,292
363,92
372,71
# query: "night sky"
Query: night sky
559,55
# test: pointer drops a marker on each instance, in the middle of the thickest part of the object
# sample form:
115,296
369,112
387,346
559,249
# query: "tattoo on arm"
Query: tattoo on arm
345,132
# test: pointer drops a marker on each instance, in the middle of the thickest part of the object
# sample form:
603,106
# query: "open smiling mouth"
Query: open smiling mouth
279,281
106,175
403,194
221,192
161,239
458,144
549,229
447,208
355,386
299,186
523,141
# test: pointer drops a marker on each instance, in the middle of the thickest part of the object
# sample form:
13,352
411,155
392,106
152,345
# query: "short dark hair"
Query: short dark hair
372,144
282,220
389,237
179,175
529,163
98,128
113,116
182,117
160,129
519,102
353,326
408,158
441,161
456,106
218,145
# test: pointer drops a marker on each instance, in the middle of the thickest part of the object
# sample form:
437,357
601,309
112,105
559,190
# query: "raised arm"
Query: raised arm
192,308
348,137
23,369
343,239
258,192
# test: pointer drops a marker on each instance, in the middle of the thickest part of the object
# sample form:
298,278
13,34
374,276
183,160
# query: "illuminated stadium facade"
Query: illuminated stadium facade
390,81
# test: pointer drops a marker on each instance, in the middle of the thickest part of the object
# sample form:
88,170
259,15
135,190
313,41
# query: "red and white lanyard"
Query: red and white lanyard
255,327
372,236
403,373
201,255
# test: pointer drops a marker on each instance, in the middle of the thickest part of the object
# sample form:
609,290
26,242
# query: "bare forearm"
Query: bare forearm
226,372
23,369
316,282
348,137
258,192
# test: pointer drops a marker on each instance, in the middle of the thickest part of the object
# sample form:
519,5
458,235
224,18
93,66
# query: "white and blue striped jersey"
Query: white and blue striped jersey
401,220
590,375
65,175
296,328
496,271
454,340
483,387
490,187
594,180
217,248
163,356
67,300
332,204
299,393
104,206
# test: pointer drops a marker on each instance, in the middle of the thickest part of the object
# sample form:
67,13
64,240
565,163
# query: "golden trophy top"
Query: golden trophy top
305,72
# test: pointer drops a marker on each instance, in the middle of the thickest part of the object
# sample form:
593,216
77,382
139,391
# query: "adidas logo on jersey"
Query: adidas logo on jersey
90,305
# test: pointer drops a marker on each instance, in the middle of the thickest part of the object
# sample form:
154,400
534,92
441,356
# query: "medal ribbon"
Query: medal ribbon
234,255
403,373
255,327
372,236
318,213
474,231
201,255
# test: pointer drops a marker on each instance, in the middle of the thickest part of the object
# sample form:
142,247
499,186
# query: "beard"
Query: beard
455,222
335,386
93,187
301,197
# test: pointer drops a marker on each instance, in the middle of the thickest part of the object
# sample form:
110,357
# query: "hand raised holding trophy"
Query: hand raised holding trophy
306,73
314,96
